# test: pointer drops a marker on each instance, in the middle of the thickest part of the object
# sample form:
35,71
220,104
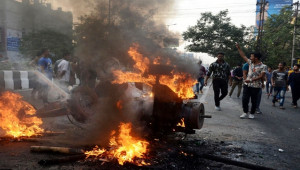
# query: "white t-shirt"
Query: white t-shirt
64,65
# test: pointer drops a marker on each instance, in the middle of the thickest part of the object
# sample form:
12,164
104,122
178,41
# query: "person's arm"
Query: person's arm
242,54
229,76
273,79
286,81
210,70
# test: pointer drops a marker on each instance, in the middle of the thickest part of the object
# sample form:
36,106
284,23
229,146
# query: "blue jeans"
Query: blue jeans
201,81
269,86
281,92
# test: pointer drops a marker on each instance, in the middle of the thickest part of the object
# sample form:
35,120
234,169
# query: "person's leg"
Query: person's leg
240,84
216,88
267,87
282,96
258,100
202,84
293,96
197,86
276,90
254,96
245,99
224,89
234,83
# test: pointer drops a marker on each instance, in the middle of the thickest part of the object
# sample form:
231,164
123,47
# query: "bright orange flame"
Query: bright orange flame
156,61
124,147
180,83
141,62
181,123
17,116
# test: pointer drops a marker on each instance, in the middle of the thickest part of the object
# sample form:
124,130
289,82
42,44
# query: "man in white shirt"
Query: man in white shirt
63,71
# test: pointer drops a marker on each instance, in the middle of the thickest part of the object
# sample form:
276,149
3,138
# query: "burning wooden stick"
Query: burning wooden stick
62,150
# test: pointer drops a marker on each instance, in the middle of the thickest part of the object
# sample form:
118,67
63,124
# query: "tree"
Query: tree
278,37
215,33
56,42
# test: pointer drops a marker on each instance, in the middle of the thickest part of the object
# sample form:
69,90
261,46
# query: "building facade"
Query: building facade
18,18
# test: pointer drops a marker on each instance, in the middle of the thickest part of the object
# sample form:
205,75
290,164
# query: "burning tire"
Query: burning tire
194,115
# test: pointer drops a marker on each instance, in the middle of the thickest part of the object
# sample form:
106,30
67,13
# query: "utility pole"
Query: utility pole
294,33
262,4
109,12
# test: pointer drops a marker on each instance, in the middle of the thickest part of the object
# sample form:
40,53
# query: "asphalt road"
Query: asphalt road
271,139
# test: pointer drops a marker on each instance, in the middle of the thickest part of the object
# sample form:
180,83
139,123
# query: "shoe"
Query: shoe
281,107
218,108
244,116
251,116
273,104
258,111
295,106
229,96
201,91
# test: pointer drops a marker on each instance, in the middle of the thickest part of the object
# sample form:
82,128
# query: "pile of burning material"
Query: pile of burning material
17,117
123,148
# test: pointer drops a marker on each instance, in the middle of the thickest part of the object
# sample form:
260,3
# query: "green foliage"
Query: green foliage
215,33
57,43
278,37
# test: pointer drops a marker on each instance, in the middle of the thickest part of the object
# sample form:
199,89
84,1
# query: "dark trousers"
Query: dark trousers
295,95
250,92
234,84
220,85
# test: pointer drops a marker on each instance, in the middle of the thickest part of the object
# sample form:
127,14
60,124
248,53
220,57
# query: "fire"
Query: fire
124,147
156,61
180,83
17,116
181,123
120,105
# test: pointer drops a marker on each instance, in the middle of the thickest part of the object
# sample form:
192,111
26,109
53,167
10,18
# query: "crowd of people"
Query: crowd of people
61,71
252,77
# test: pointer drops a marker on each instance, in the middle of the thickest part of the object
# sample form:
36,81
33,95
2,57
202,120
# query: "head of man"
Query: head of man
239,65
199,62
220,57
281,66
296,67
269,69
67,55
255,57
45,52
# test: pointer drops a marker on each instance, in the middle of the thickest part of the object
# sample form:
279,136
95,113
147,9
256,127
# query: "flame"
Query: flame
180,83
181,123
120,105
156,61
17,116
124,147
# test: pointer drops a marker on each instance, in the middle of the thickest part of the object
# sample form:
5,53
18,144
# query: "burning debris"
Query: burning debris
17,117
178,82
124,148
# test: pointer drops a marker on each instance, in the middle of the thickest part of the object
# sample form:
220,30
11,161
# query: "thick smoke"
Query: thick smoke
103,37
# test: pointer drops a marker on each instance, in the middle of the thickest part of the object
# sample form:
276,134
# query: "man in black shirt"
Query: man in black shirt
294,82
237,80
221,73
